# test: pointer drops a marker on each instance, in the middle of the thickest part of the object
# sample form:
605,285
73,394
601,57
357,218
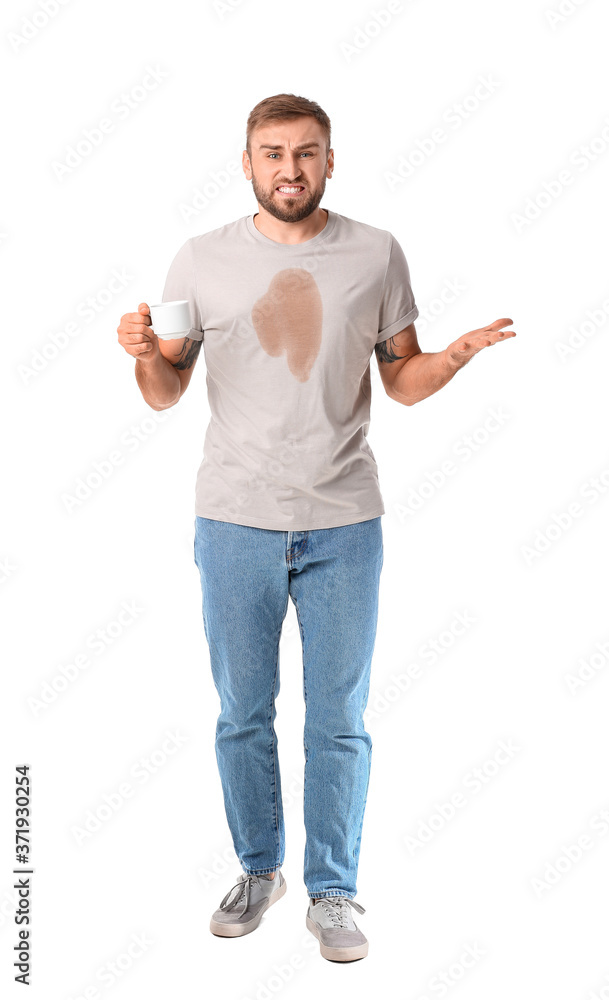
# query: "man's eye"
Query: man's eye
302,154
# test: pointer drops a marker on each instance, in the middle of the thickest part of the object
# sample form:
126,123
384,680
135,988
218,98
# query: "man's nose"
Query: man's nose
292,168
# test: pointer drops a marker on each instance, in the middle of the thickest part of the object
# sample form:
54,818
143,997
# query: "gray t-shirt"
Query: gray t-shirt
288,332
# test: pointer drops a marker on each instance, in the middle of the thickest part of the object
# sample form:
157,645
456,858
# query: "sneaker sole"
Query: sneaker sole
337,954
237,930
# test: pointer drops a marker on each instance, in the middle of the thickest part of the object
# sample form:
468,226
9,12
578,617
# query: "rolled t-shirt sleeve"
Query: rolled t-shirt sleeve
181,283
397,308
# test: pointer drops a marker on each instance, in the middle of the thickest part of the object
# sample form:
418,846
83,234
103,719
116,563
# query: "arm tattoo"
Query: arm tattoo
188,355
385,351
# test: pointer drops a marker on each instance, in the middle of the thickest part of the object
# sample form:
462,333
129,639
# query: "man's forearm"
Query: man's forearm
159,382
422,375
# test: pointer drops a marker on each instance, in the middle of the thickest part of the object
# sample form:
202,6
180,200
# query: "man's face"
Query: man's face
289,154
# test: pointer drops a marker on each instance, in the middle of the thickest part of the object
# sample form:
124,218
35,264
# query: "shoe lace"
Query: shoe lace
241,891
337,908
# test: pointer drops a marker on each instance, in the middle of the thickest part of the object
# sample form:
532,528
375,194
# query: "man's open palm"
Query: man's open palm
461,350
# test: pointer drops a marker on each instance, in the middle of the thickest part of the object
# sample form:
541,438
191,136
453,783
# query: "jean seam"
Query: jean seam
274,754
302,639
358,841
304,687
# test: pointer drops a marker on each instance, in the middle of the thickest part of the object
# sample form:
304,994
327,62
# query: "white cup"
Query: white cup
171,320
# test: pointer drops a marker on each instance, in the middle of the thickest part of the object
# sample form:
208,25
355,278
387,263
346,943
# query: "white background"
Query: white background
475,212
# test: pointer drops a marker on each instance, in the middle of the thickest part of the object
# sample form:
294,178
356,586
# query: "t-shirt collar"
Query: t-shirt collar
325,232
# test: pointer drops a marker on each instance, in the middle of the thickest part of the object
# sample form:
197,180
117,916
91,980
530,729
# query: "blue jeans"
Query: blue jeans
332,576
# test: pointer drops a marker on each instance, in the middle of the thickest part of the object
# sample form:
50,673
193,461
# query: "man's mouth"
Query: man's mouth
291,190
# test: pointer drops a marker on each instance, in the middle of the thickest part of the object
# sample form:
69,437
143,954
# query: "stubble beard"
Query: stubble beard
286,209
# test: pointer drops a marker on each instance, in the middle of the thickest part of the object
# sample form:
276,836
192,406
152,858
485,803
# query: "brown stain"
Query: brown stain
288,318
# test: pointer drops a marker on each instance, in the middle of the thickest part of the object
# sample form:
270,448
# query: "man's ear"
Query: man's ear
247,166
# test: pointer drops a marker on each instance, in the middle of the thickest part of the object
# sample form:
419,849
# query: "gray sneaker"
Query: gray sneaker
331,921
242,908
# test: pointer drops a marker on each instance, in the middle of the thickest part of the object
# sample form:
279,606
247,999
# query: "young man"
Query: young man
289,304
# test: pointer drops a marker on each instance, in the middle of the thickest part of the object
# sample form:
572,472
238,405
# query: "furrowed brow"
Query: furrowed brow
302,145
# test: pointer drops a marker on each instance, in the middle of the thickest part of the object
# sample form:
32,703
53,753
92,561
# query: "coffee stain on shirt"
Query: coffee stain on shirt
288,319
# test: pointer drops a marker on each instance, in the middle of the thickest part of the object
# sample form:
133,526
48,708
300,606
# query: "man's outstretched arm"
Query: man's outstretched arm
409,375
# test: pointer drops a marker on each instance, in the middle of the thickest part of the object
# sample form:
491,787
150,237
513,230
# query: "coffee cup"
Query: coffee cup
171,320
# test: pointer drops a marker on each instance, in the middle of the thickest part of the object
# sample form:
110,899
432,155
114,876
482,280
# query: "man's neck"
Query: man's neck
298,232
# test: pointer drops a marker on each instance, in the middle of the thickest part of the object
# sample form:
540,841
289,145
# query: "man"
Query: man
289,304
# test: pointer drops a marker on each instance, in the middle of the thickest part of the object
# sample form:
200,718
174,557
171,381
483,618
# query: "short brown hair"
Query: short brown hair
283,107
